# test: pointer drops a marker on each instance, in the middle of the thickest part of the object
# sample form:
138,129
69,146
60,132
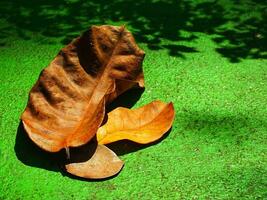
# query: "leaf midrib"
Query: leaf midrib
93,91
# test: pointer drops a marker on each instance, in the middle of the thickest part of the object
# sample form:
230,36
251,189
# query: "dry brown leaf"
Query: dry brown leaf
67,104
143,125
103,164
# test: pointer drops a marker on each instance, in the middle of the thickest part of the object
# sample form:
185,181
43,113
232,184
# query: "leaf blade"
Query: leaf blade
103,164
66,105
137,125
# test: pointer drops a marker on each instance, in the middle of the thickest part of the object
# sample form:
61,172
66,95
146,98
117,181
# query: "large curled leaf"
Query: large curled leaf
103,164
67,104
143,125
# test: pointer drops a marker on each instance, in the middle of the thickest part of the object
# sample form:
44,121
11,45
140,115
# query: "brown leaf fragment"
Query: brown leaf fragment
66,106
103,164
143,125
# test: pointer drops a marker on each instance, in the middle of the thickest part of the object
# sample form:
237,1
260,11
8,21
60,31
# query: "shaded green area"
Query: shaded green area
208,57
239,28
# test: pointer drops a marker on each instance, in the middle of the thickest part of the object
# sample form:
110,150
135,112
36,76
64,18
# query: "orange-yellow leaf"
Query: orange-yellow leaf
143,125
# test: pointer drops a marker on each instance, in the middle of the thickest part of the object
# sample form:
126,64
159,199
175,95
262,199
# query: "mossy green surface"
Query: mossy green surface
216,148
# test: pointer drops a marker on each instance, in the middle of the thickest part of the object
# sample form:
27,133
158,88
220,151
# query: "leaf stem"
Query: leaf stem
67,152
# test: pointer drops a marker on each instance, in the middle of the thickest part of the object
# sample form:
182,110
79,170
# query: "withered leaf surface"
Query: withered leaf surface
103,164
67,104
143,125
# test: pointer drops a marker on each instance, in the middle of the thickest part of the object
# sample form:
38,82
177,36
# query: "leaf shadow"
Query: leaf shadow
124,147
223,128
30,154
127,100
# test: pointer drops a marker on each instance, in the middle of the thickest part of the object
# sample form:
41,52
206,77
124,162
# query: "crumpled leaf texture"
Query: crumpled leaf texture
66,106
144,125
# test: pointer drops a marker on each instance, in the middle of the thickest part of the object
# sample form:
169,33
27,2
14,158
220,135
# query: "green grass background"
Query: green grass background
208,58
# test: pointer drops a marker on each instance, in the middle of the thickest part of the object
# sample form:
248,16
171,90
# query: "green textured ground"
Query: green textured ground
196,57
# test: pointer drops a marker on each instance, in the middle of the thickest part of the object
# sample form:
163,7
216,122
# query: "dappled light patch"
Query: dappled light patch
236,34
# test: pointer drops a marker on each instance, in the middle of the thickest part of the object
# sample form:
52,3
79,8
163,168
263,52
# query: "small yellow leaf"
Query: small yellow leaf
144,125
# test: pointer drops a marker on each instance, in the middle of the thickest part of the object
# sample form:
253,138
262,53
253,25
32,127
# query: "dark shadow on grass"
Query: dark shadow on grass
125,146
237,35
127,99
175,50
246,39
30,154
234,129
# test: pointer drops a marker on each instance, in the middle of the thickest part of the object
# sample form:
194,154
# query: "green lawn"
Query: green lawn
209,59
